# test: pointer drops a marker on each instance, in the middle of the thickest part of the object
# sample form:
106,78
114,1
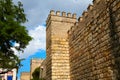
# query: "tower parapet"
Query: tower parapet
74,15
52,12
61,17
57,13
68,14
63,14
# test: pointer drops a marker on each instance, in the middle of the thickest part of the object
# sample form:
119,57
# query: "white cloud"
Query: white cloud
39,35
16,44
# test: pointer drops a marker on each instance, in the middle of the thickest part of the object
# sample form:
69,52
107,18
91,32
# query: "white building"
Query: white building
11,75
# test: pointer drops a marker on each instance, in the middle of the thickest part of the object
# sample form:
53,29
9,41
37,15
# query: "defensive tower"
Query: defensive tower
57,61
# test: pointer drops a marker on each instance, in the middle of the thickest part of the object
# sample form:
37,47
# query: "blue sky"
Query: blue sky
36,12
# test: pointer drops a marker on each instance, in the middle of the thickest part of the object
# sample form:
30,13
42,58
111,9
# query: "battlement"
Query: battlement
80,19
62,14
90,7
85,13
61,17
73,28
89,12
96,1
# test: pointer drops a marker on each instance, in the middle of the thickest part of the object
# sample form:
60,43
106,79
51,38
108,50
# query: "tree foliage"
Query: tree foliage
36,74
12,31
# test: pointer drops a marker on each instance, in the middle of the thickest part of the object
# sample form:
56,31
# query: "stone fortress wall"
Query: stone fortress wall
94,43
57,60
43,70
87,49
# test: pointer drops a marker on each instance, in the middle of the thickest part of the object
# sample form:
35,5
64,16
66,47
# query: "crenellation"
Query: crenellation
85,13
90,7
64,14
52,12
96,1
60,16
74,15
80,19
69,15
58,13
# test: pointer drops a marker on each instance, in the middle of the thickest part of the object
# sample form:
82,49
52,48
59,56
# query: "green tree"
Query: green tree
12,31
36,74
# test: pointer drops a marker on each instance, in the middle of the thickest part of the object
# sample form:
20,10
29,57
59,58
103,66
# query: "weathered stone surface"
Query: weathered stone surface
25,76
90,50
94,43
58,67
